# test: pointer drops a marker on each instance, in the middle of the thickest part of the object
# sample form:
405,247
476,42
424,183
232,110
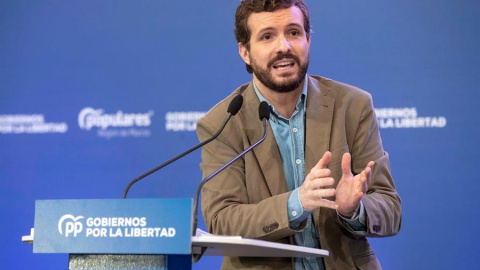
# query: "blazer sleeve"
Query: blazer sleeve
382,202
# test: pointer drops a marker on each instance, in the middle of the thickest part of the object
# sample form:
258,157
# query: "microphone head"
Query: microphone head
264,110
235,105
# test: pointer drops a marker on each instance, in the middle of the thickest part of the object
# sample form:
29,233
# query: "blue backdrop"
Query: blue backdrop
94,93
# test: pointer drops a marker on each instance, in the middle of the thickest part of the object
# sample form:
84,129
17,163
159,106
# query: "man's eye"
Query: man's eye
266,37
294,33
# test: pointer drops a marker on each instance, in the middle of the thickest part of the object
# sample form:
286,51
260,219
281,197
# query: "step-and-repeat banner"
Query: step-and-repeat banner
94,93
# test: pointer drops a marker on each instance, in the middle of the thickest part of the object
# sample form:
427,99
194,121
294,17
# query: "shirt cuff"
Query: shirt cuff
358,221
296,213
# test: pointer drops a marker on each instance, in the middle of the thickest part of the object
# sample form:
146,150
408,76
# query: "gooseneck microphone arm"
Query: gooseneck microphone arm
233,109
264,114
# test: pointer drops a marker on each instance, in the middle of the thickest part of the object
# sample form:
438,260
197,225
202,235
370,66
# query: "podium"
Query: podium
137,234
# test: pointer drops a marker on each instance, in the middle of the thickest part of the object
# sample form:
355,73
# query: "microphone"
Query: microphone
233,109
264,115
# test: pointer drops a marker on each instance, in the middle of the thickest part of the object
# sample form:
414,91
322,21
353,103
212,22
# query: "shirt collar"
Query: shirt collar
301,99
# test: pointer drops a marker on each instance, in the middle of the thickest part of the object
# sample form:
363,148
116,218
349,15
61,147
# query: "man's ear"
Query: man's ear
242,50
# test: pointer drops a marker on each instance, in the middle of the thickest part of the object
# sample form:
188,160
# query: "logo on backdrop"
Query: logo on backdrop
29,124
98,227
182,121
119,124
386,117
71,225
407,118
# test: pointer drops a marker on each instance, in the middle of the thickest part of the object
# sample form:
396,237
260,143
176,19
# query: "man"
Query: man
321,178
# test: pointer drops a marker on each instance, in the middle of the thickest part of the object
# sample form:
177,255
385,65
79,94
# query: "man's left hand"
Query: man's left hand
350,189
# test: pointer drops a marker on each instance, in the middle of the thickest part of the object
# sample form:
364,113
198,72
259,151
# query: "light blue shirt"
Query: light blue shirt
290,137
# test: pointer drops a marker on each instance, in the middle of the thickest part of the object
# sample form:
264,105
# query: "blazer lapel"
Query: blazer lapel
318,127
267,152
318,122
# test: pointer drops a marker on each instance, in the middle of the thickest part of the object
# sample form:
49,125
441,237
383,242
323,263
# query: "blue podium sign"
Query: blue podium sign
113,226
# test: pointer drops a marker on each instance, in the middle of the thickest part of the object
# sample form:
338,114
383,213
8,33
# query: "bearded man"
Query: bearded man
321,178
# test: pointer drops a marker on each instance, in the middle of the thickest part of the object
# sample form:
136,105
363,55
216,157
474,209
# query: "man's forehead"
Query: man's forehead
278,17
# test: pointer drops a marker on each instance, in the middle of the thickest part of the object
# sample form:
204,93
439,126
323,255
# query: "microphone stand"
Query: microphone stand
233,108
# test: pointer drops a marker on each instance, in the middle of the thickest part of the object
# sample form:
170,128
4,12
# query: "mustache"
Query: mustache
283,56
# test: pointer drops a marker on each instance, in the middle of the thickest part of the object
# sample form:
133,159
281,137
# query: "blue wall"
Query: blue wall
160,62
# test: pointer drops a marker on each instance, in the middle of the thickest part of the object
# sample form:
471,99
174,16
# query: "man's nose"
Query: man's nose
283,45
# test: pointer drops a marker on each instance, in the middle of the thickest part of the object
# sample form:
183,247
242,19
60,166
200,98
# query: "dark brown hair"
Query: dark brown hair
247,7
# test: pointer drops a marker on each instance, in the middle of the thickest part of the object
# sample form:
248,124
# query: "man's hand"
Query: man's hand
350,189
313,191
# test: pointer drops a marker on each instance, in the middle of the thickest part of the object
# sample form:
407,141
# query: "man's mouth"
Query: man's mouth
285,64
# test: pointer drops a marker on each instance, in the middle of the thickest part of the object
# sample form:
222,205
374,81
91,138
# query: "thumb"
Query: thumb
324,161
346,164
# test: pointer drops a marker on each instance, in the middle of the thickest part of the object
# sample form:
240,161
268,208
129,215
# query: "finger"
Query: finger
358,184
320,194
313,199
346,164
365,173
326,192
328,204
363,176
369,170
322,182
324,161
323,203
363,186
359,195
371,164
319,173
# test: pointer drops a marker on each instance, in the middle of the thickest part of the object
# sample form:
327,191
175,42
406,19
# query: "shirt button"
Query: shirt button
294,129
298,161
294,213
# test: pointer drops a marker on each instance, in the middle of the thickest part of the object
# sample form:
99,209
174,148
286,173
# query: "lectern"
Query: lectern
137,234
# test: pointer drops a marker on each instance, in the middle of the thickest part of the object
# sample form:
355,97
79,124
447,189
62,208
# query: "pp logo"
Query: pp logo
71,225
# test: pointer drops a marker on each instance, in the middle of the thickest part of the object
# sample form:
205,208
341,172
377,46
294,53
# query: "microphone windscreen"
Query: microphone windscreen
264,110
235,105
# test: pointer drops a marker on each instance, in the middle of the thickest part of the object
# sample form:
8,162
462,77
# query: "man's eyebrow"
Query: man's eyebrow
266,29
295,25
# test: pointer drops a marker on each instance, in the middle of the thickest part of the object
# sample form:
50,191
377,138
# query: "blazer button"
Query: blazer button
376,228
270,227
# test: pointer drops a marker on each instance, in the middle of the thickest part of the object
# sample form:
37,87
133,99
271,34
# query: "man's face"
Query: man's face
279,49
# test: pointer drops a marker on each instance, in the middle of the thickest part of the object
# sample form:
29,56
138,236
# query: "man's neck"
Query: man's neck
284,103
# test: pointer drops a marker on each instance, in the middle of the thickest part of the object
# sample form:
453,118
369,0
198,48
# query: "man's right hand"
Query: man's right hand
313,191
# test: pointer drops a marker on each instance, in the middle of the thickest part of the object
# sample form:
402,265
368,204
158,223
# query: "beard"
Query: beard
282,86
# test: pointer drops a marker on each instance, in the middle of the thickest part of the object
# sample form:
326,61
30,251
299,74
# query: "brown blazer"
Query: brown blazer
250,197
